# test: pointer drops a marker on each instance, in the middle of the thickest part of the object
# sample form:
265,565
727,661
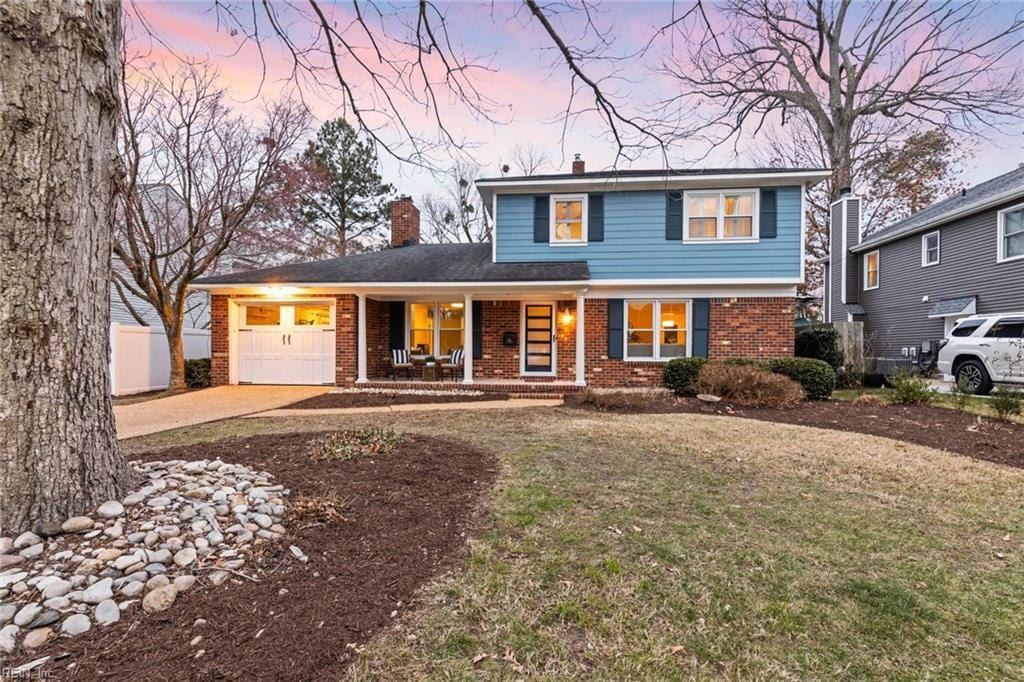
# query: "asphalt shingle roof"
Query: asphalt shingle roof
1006,184
951,306
419,263
651,173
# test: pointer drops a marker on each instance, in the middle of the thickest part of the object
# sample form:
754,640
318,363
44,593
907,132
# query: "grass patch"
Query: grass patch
697,547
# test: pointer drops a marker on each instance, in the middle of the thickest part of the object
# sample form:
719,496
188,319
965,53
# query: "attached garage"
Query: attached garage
286,343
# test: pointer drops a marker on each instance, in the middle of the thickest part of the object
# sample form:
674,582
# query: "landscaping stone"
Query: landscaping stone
77,524
146,547
111,509
159,599
76,624
107,612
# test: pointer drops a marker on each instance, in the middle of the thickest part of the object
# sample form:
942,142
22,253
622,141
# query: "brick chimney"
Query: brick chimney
579,166
405,222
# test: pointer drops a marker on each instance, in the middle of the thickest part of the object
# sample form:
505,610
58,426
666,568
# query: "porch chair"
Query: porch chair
454,363
401,360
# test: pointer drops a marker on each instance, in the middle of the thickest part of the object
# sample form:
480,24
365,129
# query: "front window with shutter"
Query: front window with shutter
657,330
720,216
568,219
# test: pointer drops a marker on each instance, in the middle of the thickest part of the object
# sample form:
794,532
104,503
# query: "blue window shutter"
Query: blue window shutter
478,329
595,218
541,219
701,326
615,328
396,319
674,216
769,214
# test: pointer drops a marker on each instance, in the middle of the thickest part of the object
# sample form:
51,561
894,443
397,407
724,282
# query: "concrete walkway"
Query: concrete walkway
207,405
514,403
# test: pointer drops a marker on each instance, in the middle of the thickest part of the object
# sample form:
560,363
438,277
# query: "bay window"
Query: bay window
436,328
656,330
726,216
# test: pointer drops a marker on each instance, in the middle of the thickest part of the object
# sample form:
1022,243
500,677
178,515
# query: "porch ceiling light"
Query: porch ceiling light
280,292
458,306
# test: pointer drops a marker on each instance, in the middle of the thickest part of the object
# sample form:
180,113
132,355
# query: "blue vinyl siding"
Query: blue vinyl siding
634,243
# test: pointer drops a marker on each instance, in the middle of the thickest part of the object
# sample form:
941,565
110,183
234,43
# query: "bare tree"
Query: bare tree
60,65
851,69
194,173
456,215
529,159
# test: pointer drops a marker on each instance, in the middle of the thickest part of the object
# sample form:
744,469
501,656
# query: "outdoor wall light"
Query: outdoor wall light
566,317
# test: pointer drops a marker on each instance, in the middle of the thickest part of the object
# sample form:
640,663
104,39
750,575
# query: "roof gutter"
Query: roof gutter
942,220
816,176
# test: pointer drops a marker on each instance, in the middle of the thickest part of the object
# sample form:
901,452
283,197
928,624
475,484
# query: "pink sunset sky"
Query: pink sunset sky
525,84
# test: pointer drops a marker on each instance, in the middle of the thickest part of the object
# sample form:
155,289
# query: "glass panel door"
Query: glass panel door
539,337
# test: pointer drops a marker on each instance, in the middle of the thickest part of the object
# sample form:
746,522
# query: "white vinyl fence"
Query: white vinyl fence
139,360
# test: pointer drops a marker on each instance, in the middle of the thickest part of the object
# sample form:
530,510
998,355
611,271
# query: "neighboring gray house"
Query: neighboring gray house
197,314
910,282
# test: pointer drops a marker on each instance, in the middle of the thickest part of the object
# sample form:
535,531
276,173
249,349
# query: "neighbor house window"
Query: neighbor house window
721,216
436,328
871,270
656,330
930,249
1011,233
569,219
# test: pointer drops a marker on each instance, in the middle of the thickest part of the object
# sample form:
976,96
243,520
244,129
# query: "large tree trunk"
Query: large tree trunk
59,71
176,351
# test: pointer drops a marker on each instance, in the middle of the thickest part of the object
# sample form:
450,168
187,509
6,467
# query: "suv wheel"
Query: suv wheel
973,376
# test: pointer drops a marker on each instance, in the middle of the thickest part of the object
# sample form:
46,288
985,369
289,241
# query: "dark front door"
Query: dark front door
540,334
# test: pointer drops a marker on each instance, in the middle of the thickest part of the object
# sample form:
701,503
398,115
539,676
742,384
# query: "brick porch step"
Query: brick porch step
515,389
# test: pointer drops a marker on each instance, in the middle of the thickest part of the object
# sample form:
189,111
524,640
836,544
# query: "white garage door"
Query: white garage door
289,343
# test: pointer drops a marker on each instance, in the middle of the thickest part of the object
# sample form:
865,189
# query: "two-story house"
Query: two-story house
590,279
912,281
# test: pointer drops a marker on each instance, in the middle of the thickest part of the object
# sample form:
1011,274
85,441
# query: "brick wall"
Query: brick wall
219,353
405,222
751,328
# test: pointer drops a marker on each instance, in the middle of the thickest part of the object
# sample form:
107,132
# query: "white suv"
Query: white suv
984,349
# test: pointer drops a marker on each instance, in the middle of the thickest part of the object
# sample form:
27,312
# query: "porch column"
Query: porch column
581,335
361,339
467,344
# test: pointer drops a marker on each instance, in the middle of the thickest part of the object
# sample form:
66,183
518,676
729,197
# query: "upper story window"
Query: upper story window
720,216
1011,234
930,249
871,270
569,219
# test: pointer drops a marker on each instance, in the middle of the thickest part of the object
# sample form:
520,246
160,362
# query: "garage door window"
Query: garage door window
261,315
317,315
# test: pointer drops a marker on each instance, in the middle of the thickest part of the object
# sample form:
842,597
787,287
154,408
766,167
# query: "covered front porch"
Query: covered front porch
504,340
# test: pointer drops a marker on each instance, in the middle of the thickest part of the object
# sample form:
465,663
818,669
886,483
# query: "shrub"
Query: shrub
1007,402
351,443
747,385
817,377
749,362
869,399
820,343
960,394
197,373
626,400
909,389
679,374
326,509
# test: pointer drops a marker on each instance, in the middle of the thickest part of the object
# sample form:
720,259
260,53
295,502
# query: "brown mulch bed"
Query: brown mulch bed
328,400
406,512
935,427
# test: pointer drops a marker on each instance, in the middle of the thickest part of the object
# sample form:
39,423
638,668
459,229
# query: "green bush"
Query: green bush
817,377
908,389
197,373
820,343
679,374
1007,402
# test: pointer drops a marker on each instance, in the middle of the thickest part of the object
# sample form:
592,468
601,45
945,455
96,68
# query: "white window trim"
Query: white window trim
924,249
878,269
657,329
1001,234
720,222
551,224
436,332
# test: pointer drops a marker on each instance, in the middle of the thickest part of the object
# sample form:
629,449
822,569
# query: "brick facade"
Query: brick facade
751,328
744,327
405,223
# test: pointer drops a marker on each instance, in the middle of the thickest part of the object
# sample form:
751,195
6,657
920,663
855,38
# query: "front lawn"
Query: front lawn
681,546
